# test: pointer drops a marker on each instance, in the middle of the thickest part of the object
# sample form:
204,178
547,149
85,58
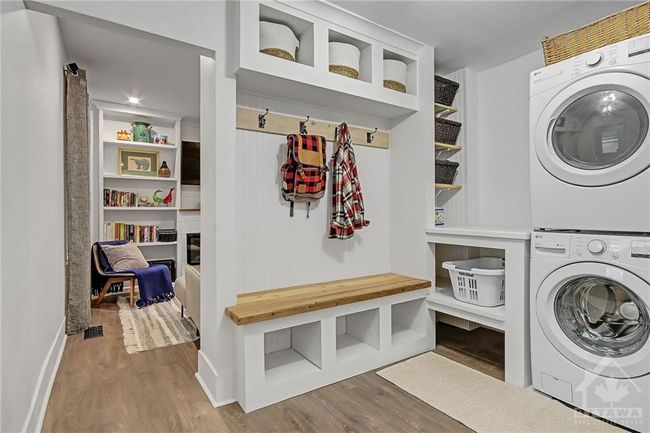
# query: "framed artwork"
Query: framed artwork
138,162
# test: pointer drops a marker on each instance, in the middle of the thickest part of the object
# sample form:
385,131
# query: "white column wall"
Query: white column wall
31,185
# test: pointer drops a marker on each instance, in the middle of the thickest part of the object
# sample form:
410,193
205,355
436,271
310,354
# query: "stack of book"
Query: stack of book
130,232
113,198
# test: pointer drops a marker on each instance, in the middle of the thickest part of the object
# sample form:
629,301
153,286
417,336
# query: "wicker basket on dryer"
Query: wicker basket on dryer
618,27
447,130
445,90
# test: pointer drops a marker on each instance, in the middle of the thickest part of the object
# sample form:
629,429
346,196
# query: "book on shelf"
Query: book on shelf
114,198
140,234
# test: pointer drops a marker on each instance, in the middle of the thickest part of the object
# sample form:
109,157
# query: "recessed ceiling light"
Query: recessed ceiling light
134,100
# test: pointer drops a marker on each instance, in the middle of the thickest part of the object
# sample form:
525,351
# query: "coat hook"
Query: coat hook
261,119
370,136
303,126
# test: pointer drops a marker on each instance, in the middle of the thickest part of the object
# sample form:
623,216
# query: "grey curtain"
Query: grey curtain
77,202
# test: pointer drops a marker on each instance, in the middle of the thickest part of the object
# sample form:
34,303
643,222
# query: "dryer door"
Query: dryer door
595,131
596,315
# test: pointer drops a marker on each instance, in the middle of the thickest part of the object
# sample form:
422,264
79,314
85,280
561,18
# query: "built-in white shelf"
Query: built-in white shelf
121,208
511,318
154,244
147,178
443,300
287,364
404,326
308,78
109,118
141,145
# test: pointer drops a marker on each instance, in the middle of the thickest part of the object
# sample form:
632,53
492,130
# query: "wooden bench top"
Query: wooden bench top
272,304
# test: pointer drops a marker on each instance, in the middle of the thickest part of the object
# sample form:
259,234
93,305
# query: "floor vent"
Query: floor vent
93,332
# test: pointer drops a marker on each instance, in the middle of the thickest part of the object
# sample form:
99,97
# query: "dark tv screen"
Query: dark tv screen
191,163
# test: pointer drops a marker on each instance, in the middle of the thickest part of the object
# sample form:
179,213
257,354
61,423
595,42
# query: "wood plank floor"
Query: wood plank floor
100,388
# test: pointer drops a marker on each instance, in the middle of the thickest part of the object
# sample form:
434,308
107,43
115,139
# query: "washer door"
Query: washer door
595,131
596,315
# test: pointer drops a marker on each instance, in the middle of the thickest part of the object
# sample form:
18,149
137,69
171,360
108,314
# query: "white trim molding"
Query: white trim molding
36,415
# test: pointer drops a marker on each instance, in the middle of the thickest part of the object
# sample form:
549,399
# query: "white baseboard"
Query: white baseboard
36,415
208,378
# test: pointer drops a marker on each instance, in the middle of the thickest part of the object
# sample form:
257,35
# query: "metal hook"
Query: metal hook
261,119
303,126
370,136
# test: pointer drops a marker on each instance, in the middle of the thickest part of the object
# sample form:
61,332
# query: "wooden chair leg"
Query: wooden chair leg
132,295
107,285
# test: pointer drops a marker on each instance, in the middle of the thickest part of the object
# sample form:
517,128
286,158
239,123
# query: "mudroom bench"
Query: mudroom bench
297,339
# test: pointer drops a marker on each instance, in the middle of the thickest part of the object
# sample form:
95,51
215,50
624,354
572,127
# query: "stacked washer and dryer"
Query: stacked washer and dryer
590,251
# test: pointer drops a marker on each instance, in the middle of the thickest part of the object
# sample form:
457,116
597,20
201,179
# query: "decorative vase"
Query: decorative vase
141,131
164,171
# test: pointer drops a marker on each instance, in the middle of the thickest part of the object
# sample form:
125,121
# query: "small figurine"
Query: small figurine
156,198
167,200
123,135
144,202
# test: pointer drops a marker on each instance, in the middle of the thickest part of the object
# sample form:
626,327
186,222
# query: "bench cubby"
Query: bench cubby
357,334
408,321
292,351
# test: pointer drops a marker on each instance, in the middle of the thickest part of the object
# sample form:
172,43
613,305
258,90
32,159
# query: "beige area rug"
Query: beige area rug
158,325
485,404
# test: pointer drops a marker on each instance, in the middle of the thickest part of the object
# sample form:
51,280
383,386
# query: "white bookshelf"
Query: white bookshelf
112,117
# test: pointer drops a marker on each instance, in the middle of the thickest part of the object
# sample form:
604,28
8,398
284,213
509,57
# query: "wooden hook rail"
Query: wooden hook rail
282,124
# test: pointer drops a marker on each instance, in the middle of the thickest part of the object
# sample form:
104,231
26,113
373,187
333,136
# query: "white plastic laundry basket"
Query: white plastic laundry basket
478,281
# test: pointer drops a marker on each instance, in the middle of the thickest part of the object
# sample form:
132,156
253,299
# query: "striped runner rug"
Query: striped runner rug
158,325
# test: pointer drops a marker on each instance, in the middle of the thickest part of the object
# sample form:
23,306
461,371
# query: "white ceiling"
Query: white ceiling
122,63
481,34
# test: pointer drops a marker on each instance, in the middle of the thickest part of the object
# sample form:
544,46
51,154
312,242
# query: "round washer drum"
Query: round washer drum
595,132
597,316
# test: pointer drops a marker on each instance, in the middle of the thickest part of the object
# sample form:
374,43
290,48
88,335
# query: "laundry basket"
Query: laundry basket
478,281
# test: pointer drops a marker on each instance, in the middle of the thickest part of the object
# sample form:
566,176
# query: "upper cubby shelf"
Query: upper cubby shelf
298,68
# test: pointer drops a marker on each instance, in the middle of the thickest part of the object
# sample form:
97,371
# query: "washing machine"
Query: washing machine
590,323
589,140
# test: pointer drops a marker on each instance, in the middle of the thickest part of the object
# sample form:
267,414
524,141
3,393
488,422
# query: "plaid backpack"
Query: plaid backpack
304,174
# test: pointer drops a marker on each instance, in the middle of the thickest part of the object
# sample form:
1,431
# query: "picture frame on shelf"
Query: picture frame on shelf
138,162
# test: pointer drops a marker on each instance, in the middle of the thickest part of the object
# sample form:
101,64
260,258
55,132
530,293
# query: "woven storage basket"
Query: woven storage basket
344,59
278,40
395,75
445,171
626,24
447,130
445,90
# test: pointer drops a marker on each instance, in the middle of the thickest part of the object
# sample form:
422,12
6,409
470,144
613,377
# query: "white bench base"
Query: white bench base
286,357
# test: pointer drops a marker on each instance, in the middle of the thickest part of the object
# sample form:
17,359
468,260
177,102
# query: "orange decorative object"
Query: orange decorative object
124,135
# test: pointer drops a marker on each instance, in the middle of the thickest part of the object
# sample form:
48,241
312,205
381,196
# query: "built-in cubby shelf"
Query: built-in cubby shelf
442,110
308,79
287,356
444,147
292,352
152,208
147,178
357,334
405,324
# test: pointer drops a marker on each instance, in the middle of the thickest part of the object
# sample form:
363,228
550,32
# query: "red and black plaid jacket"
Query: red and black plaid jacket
347,200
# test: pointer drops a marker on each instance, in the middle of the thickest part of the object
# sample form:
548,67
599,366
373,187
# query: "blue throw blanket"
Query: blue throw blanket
154,282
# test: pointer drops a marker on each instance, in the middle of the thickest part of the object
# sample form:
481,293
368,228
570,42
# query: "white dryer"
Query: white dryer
590,145
590,323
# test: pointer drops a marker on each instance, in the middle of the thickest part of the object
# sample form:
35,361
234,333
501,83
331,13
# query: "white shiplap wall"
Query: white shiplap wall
275,250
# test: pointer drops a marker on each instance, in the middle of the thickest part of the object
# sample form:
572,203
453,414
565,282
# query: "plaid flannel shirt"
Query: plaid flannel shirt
347,200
